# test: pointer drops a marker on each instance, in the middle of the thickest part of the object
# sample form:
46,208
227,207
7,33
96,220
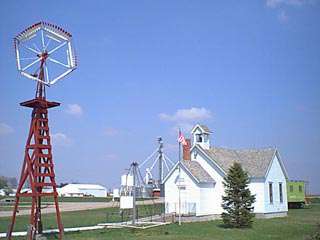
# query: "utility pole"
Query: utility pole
179,181
160,151
134,173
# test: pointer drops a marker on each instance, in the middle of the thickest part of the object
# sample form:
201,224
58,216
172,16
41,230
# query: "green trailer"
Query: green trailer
296,191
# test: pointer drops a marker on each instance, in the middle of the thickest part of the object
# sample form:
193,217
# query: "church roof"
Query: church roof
203,127
255,161
197,171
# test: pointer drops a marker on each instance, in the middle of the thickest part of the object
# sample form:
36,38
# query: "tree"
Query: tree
238,200
3,182
12,182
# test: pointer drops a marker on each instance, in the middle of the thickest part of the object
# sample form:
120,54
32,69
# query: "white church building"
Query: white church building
201,178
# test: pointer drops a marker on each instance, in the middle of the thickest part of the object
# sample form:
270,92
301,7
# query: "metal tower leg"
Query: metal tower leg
38,168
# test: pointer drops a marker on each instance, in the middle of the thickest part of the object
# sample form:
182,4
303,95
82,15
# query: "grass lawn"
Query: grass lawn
10,207
299,224
65,199
78,218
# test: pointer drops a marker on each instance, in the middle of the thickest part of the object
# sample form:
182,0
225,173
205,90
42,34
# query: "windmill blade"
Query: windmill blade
28,58
30,49
53,38
31,64
36,47
61,76
57,48
57,62
39,50
47,45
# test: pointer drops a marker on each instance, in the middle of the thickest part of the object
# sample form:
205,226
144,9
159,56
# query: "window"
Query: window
300,188
291,188
205,137
280,193
270,193
199,137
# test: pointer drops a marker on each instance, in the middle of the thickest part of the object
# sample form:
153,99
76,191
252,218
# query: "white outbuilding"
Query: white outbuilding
82,190
202,173
2,192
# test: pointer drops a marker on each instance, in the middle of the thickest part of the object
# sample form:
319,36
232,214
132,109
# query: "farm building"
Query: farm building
201,179
82,190
2,192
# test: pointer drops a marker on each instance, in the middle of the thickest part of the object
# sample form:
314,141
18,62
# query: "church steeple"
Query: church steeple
201,136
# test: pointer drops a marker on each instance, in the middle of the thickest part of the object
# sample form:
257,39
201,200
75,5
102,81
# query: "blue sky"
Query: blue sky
248,69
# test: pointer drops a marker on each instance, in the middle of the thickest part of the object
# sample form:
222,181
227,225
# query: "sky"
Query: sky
249,70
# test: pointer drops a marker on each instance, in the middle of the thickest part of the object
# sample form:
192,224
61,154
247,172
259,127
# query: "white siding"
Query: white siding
189,196
257,187
275,176
207,205
218,190
94,192
208,197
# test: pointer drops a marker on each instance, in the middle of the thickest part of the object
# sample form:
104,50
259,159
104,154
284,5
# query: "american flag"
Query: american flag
181,139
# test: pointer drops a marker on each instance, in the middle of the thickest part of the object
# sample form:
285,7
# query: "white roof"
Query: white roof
85,186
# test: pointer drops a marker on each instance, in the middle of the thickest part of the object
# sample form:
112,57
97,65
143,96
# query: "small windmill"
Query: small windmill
44,53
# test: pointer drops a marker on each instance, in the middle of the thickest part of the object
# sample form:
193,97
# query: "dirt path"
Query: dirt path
75,206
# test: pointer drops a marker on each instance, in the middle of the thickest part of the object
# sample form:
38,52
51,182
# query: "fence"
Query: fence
151,212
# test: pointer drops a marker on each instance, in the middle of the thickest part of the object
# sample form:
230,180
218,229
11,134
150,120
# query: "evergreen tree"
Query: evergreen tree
3,182
238,200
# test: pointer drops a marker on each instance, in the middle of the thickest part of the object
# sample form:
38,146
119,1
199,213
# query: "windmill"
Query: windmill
44,53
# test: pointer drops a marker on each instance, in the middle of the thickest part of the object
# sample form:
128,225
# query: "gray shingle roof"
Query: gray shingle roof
254,161
205,128
197,171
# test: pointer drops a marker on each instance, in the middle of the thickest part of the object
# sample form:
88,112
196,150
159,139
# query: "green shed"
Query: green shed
296,191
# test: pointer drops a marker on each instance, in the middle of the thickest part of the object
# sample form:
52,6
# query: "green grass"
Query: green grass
78,218
10,207
70,199
66,199
298,225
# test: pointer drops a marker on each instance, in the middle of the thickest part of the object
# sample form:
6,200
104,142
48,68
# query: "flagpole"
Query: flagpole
179,186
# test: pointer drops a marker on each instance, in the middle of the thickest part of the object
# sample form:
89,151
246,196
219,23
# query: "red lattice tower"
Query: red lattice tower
38,166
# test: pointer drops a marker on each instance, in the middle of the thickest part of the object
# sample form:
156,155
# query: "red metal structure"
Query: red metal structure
38,166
